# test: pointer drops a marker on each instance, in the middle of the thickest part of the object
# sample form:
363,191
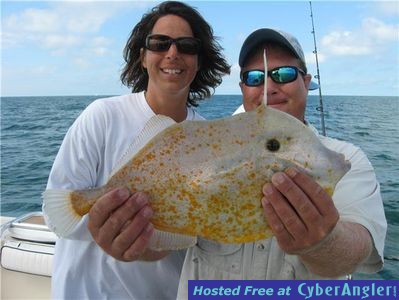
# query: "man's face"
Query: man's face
288,97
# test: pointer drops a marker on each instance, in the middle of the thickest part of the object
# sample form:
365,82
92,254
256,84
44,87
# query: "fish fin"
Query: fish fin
58,212
162,240
155,125
261,109
266,75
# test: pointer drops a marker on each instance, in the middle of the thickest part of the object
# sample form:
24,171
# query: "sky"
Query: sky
54,48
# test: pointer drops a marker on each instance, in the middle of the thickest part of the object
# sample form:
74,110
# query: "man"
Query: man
315,236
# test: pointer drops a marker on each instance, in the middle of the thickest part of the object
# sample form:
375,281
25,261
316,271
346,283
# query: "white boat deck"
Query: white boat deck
18,285
27,248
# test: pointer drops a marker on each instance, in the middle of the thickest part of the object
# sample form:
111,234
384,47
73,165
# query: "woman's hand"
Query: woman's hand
120,224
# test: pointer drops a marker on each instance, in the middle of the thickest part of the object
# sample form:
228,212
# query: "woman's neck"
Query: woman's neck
171,105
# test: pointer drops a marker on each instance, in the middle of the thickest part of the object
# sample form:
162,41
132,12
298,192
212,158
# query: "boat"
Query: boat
27,250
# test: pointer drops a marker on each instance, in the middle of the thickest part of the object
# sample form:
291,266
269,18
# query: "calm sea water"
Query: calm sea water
32,129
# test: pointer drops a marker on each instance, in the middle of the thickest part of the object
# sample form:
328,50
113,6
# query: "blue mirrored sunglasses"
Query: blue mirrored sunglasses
284,74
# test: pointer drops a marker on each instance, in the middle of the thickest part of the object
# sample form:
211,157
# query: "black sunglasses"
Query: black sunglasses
185,45
284,74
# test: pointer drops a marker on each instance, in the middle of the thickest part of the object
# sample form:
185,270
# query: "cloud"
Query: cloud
87,17
390,8
373,36
60,41
61,24
32,20
8,39
100,41
29,71
380,32
82,63
44,70
345,43
71,30
100,51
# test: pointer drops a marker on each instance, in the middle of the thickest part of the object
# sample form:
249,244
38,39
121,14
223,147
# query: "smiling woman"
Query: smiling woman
172,61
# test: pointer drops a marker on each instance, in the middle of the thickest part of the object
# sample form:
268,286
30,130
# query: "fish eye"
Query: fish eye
273,145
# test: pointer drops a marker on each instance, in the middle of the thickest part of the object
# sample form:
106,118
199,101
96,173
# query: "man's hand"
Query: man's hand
300,213
306,222
119,223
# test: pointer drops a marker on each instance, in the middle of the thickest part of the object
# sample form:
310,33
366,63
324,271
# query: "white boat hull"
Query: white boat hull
27,249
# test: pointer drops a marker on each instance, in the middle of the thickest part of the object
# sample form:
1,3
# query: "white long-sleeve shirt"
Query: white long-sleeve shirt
358,199
91,148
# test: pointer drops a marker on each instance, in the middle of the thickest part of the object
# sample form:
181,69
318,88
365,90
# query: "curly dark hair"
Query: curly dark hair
212,63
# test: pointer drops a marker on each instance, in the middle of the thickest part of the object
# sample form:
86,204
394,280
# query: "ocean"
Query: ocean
32,128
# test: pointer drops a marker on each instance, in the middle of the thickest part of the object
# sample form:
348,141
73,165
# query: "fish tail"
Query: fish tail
162,240
59,214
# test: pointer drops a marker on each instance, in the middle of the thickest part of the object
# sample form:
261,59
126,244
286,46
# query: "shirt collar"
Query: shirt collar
311,127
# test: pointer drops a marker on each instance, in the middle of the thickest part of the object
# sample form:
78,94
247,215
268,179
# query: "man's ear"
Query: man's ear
307,78
241,84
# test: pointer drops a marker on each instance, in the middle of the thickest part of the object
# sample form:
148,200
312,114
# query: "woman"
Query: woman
172,61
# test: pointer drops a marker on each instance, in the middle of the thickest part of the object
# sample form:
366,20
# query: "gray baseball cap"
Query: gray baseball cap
264,35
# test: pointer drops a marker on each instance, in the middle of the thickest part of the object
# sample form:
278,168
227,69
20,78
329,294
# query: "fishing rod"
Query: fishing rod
320,108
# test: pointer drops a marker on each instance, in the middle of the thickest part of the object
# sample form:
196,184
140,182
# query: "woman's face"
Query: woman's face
170,71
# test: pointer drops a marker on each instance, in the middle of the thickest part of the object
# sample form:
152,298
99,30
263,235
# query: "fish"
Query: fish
205,177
